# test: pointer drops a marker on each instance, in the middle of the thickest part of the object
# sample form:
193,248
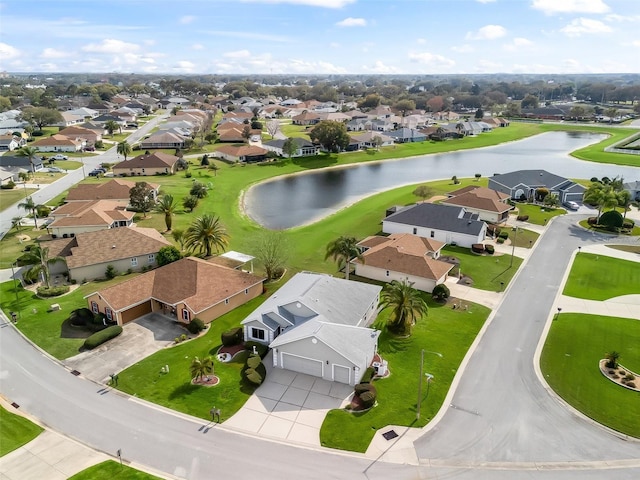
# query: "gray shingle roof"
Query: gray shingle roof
531,178
439,217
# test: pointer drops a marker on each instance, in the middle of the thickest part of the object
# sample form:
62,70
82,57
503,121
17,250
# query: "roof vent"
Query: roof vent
113,246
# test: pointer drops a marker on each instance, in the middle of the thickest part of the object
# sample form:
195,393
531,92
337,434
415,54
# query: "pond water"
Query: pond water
296,200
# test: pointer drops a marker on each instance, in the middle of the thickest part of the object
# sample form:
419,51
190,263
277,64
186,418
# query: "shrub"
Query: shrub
368,399
504,234
253,361
612,220
500,240
260,348
489,249
195,326
440,292
176,340
592,220
630,377
183,337
368,374
477,248
628,223
80,317
110,272
102,336
255,375
522,218
360,388
631,384
187,175
10,185
233,336
493,230
52,291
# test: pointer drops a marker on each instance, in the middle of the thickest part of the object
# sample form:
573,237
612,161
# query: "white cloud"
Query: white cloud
613,17
53,53
485,1
517,43
185,66
237,54
197,46
7,51
465,48
488,32
431,59
421,41
352,22
109,45
379,67
551,7
581,26
187,19
311,3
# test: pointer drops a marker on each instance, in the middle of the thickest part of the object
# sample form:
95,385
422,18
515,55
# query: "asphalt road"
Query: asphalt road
54,189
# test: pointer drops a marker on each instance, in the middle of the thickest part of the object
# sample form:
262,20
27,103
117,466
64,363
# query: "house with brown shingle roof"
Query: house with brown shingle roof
306,118
75,131
402,256
73,218
163,139
232,132
157,163
87,255
114,189
58,143
241,153
185,289
490,205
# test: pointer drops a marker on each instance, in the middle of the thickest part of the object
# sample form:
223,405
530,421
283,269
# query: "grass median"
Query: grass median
598,277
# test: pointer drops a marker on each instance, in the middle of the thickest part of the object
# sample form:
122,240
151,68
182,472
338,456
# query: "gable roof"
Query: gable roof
531,178
439,217
56,140
279,142
154,160
196,282
242,150
91,212
115,189
481,198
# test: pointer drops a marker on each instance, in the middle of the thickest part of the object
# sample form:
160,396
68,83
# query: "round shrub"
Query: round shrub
368,399
631,384
52,291
195,326
440,292
500,240
504,234
522,218
80,317
592,220
489,249
102,336
233,336
260,348
612,220
255,375
253,361
360,388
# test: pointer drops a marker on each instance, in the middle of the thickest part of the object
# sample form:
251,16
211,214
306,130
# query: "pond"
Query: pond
295,200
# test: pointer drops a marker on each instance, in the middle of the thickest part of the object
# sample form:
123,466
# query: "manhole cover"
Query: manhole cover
390,435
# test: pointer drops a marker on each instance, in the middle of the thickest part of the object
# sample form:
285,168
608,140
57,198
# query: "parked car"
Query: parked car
571,205
96,173
89,149
132,125
59,156
53,170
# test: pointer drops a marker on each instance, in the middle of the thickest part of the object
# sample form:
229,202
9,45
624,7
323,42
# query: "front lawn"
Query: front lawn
112,470
569,363
9,197
538,214
444,330
597,277
16,431
488,272
525,238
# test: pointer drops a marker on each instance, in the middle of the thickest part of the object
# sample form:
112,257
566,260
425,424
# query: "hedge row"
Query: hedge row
52,291
102,336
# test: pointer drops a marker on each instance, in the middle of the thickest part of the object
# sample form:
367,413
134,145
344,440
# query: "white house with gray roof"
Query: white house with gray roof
318,325
634,189
522,185
448,224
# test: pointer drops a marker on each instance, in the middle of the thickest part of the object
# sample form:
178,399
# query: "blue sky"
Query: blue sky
321,36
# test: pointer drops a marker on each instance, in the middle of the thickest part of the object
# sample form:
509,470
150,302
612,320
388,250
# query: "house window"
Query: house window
433,234
94,307
226,301
151,258
246,291
415,230
387,273
185,315
257,333
108,313
134,262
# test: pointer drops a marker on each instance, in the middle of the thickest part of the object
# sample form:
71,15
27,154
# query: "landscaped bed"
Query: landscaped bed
570,364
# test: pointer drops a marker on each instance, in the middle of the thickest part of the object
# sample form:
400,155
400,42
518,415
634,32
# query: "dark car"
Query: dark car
96,173
89,149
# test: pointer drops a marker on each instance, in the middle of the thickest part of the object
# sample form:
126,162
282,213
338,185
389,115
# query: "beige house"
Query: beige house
89,136
403,257
163,140
87,255
185,289
114,189
59,143
490,205
73,218
157,163
241,153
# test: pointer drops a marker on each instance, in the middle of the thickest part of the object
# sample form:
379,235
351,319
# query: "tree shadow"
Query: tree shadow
69,331
182,391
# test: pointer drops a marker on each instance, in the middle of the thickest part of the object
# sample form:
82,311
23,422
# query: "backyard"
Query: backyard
16,431
597,277
569,362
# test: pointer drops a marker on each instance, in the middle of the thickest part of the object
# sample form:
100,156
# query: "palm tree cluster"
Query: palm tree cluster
607,194
343,250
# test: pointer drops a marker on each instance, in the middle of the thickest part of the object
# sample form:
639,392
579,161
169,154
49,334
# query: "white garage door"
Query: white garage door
302,364
341,374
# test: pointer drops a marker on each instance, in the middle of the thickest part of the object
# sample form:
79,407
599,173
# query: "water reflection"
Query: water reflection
296,200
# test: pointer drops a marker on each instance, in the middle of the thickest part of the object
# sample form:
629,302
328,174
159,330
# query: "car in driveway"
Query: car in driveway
571,205
59,156
96,173
53,170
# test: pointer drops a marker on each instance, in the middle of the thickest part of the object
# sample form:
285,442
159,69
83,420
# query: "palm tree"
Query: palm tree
178,236
30,152
167,205
624,201
111,126
30,206
38,256
124,149
201,368
600,195
342,250
406,303
205,234
15,223
612,359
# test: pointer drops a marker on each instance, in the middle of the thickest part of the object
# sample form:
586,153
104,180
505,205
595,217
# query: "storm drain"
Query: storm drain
390,435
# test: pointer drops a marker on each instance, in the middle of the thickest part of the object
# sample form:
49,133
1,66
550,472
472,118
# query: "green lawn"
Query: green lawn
9,197
538,215
487,271
444,330
15,431
112,470
525,238
569,362
596,277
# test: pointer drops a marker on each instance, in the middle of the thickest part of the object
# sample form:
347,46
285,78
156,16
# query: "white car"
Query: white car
60,156
571,205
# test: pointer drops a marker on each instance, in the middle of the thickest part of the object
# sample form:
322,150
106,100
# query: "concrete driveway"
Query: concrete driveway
290,406
138,340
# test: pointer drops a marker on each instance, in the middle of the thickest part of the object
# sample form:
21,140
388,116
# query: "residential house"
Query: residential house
186,289
407,135
400,257
490,205
114,189
304,147
306,118
10,142
334,117
84,112
444,223
87,255
544,113
162,139
241,153
69,118
73,218
368,139
89,136
59,143
634,189
157,163
10,174
233,132
496,121
317,325
522,185
106,117
21,162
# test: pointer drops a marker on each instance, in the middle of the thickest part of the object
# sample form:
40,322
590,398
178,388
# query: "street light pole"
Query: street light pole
419,404
513,247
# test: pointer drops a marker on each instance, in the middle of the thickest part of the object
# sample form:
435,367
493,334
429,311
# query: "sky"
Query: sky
321,36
